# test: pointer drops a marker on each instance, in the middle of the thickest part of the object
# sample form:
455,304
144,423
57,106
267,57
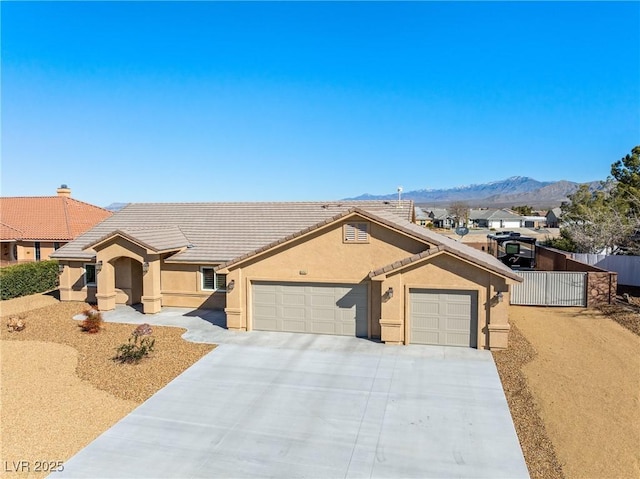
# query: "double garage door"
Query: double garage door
443,317
339,309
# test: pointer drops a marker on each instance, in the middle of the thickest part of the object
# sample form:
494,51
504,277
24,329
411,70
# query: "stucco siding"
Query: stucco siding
320,257
443,272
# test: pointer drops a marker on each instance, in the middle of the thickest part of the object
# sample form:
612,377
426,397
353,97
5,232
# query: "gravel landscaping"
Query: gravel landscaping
60,387
571,377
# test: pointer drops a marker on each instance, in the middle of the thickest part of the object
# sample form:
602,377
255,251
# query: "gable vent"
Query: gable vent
356,232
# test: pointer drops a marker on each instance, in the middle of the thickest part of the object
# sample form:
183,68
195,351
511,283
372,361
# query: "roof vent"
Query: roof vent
190,246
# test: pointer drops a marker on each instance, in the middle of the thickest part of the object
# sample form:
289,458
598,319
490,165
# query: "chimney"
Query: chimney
64,190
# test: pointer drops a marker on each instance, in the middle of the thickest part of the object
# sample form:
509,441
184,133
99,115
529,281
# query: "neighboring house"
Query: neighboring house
422,217
554,218
358,268
494,218
441,218
534,222
33,227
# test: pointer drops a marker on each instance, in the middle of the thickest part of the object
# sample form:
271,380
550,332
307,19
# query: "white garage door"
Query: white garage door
310,308
443,317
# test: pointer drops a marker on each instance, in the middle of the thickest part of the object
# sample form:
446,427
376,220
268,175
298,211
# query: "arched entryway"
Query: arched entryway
128,280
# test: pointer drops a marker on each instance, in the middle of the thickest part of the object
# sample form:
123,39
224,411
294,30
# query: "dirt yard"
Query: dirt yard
582,373
571,376
60,389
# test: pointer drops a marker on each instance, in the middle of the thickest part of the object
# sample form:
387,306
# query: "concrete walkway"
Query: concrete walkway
296,405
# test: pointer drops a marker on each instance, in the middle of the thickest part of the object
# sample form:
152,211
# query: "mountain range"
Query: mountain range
514,191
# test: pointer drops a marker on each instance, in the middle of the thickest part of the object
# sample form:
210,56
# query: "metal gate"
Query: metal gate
550,288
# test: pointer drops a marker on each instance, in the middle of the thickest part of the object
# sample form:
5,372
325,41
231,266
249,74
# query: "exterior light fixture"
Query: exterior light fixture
499,296
390,292
98,266
231,285
145,267
60,268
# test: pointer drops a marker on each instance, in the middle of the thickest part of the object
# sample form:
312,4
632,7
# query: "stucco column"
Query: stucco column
151,292
236,317
106,281
64,280
498,317
392,318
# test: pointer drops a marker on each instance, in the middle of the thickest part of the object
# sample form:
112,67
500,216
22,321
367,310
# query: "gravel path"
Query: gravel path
60,388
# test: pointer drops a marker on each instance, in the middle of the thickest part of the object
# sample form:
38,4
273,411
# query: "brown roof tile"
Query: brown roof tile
47,217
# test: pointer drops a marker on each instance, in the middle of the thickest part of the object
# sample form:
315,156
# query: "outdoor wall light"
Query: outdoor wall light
60,268
390,292
145,267
231,285
98,266
499,296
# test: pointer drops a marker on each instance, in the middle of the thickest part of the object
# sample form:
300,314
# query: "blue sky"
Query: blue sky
212,101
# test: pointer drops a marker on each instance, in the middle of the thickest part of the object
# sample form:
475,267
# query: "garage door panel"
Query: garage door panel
311,308
447,318
321,314
291,325
292,313
293,299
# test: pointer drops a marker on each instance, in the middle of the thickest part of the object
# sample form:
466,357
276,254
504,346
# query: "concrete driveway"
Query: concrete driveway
295,405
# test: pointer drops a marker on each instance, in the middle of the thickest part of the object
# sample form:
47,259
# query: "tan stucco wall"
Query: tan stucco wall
72,287
182,286
444,272
321,256
27,250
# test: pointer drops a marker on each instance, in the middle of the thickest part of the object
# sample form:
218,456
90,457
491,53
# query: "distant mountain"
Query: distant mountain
517,190
115,206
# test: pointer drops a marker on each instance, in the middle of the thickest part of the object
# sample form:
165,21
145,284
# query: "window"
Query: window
356,233
36,245
90,274
212,281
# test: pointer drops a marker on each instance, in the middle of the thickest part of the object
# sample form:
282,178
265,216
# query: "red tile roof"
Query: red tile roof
50,218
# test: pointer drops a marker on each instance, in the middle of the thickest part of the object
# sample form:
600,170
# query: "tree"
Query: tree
626,173
607,219
523,210
593,222
460,212
563,242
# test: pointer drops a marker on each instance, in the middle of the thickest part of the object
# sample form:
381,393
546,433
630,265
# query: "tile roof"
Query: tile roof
443,243
220,232
45,218
392,220
159,239
492,214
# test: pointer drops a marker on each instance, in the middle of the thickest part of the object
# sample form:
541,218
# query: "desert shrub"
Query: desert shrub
138,346
28,278
92,322
16,324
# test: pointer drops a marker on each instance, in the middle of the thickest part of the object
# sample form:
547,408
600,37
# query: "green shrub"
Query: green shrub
139,345
28,278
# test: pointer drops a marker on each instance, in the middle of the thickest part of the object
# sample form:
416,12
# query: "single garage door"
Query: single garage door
310,308
443,317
